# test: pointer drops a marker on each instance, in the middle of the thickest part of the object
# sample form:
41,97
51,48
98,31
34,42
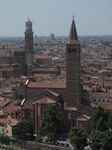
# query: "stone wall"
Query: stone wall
28,145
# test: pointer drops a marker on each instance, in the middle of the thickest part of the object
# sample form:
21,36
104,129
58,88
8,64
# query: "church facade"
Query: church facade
66,95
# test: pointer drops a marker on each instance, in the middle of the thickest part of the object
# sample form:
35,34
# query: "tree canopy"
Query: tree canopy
51,118
100,119
23,128
101,140
4,139
78,138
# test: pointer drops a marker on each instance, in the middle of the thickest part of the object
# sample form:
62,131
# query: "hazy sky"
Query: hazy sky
92,17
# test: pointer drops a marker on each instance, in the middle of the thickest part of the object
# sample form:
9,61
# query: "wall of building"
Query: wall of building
32,92
12,59
83,109
102,99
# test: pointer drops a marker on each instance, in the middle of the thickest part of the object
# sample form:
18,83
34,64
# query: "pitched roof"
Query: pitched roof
73,32
14,106
70,108
45,100
53,93
10,121
83,117
105,105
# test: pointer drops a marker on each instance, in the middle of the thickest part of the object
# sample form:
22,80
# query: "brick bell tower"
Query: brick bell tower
29,43
73,86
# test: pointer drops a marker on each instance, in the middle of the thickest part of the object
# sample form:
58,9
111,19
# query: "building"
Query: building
73,85
29,43
6,125
51,37
16,57
66,94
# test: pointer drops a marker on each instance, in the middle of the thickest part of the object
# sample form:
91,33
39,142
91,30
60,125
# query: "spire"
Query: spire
73,32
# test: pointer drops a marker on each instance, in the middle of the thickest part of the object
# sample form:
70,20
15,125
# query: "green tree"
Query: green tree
23,128
101,140
78,138
51,119
100,119
96,140
107,144
4,139
50,137
110,122
39,136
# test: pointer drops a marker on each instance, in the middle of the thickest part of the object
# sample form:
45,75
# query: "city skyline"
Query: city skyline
91,17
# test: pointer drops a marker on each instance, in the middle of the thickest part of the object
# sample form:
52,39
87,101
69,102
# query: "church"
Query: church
66,94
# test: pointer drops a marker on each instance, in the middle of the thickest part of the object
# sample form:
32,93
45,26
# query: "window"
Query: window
94,100
99,100
103,100
69,50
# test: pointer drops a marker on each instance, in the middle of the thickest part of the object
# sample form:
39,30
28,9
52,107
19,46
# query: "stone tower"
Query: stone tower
29,43
73,87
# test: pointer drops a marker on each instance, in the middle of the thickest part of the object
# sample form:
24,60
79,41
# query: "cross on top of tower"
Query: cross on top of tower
73,16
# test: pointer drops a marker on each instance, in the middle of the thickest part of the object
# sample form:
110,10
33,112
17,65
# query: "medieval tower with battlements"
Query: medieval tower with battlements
29,43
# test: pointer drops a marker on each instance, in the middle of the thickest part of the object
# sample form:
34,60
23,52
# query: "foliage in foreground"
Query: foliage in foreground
23,128
51,119
101,140
7,148
39,136
50,137
77,137
100,119
4,139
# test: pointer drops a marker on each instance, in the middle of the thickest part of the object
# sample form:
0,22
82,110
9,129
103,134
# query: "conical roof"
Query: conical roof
73,32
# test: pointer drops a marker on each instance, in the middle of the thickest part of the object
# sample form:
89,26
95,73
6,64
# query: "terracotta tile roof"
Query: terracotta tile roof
70,108
10,121
54,84
45,100
83,118
54,93
28,104
4,102
87,88
14,106
3,120
101,95
106,105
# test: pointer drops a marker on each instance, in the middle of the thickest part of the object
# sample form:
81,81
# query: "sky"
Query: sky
92,17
